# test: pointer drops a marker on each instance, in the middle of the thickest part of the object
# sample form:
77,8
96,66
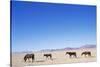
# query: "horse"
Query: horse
48,56
29,56
71,54
86,53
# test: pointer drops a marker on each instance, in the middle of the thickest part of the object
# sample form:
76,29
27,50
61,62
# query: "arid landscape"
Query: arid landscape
59,56
46,33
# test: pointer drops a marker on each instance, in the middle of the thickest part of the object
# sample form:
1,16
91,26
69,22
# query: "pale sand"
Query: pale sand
59,57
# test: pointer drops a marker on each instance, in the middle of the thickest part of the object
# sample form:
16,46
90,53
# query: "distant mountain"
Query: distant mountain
50,50
23,52
88,46
69,48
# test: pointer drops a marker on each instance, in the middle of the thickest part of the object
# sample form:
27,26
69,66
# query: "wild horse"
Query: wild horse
48,56
86,53
71,54
28,57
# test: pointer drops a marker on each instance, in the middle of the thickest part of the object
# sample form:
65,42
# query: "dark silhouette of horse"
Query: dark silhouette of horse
71,54
86,53
28,57
48,56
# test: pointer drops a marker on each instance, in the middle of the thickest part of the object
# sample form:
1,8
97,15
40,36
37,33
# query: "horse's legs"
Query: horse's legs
51,57
75,56
70,56
46,57
32,59
25,59
85,55
28,59
89,55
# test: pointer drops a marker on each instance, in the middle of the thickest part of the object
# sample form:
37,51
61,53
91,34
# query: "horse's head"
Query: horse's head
82,54
44,55
67,53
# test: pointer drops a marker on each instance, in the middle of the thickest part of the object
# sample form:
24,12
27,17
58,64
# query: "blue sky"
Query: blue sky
37,26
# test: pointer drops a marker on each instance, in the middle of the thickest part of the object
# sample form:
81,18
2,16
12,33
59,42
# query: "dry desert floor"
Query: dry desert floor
59,57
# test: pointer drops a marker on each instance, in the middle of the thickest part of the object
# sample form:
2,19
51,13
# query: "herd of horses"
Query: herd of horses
71,54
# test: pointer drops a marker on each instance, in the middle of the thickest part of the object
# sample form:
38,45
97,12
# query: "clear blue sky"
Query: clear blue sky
37,26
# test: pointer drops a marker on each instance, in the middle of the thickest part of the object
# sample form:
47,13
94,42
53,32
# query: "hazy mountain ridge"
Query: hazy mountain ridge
67,48
88,46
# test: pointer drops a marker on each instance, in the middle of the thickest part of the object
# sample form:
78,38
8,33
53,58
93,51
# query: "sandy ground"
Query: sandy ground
59,57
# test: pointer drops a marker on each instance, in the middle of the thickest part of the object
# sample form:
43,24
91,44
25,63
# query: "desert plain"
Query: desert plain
58,57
